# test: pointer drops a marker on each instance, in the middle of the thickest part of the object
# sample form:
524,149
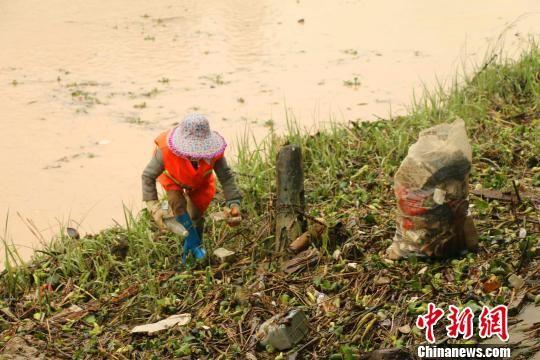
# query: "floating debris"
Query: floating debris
103,142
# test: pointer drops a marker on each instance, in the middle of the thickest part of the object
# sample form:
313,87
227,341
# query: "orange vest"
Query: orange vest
180,174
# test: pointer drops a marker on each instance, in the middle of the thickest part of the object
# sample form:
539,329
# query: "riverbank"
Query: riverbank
93,78
128,275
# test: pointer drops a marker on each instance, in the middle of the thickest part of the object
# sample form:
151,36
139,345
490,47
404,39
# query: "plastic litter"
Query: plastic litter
179,319
431,187
283,332
170,221
223,254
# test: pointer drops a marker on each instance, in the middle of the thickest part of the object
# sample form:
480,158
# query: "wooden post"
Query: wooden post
290,202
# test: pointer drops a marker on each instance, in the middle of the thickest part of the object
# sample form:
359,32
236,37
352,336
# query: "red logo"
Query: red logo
494,322
429,320
460,322
490,323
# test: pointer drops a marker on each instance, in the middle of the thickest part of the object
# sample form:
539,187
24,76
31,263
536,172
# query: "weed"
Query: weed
140,106
215,80
152,93
354,83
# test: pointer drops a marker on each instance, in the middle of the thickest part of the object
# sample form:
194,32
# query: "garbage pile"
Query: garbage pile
431,187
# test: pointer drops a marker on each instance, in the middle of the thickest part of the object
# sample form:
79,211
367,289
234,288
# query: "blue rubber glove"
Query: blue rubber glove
192,242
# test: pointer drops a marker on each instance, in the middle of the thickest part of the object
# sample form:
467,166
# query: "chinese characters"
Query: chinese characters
491,322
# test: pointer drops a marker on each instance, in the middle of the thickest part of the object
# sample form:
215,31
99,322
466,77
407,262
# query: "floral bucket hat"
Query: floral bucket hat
192,138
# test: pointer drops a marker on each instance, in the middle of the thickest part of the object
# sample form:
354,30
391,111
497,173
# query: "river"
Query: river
85,85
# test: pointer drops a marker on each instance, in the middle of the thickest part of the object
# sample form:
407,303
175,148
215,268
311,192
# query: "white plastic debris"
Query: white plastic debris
174,226
439,196
179,319
170,221
325,303
283,332
223,254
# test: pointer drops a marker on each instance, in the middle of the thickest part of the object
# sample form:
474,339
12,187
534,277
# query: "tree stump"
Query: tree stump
290,202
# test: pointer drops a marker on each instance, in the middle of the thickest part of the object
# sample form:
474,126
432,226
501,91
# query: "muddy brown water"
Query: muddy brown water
85,85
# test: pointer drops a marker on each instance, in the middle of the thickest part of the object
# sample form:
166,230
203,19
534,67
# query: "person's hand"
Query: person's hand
234,210
154,208
234,217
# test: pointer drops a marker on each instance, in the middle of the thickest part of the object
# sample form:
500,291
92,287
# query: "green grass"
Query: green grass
130,275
